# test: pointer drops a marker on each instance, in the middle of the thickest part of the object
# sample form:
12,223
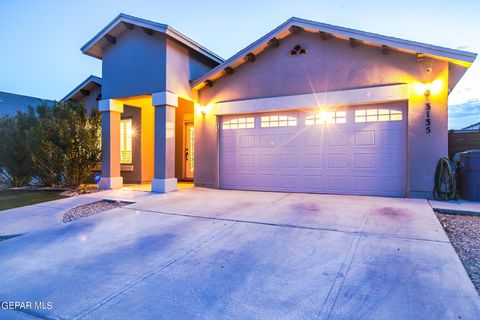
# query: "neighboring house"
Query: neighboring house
475,126
88,92
11,103
309,107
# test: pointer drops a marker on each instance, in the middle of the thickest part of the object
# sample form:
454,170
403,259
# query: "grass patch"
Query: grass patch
18,198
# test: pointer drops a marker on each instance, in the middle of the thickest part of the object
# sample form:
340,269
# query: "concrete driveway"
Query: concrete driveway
214,254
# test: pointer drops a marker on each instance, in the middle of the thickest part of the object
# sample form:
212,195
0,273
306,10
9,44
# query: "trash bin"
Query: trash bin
470,175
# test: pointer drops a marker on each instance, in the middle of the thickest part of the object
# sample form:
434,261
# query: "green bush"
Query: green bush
56,145
16,167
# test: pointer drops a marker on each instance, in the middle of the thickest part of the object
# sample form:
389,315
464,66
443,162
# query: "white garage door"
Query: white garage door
355,150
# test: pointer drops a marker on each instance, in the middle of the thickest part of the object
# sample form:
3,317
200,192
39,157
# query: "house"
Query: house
475,126
309,107
88,92
11,103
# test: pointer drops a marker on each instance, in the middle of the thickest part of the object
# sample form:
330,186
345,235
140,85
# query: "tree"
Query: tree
16,168
55,145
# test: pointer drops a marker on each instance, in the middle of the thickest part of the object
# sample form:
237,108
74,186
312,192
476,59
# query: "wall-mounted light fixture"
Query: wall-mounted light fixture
428,88
204,110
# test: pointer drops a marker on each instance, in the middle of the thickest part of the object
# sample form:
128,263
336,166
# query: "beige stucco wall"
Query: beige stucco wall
332,65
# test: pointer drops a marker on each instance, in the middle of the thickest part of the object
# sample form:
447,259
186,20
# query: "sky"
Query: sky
40,40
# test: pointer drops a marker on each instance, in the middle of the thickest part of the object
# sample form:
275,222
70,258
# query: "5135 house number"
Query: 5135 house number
428,121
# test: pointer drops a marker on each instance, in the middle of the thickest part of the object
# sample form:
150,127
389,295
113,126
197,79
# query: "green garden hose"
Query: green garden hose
445,181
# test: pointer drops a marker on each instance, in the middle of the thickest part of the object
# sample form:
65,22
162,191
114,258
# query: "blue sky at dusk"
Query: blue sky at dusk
40,40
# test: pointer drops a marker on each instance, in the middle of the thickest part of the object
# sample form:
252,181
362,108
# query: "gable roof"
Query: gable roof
10,103
458,57
121,24
87,84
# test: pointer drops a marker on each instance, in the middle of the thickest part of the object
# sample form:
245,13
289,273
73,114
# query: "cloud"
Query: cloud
463,115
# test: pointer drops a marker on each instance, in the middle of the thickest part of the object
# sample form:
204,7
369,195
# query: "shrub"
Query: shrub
16,168
57,145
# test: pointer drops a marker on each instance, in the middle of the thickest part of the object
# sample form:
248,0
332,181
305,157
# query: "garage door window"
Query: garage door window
278,121
239,123
326,118
376,115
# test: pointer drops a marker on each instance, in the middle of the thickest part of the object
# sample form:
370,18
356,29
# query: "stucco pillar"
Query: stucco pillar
427,140
111,111
165,104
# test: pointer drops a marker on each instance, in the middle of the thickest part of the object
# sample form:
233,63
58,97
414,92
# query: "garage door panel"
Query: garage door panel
366,137
337,183
336,139
362,160
315,183
267,161
363,184
344,158
337,160
289,140
313,161
391,160
288,161
246,180
391,137
246,161
247,141
268,141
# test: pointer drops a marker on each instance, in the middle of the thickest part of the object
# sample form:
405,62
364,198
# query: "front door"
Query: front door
189,150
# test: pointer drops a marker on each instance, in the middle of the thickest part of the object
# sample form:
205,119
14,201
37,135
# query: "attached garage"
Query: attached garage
348,150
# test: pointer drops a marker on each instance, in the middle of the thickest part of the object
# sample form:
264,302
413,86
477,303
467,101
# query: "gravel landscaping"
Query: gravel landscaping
464,233
90,209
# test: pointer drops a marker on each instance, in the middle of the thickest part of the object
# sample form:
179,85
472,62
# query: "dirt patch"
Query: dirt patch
394,213
305,207
464,234
90,209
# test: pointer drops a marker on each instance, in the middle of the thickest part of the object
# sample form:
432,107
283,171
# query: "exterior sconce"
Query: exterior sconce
204,110
428,89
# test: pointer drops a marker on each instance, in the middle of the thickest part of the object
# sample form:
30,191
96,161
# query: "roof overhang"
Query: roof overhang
461,58
123,23
83,88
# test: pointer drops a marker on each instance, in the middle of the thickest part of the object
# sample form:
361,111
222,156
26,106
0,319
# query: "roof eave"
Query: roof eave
82,85
158,27
463,58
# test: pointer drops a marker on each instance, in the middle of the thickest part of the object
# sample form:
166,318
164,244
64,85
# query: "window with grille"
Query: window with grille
333,117
126,141
239,123
278,121
377,115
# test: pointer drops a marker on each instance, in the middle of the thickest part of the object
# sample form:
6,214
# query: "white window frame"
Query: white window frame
239,123
126,141
326,118
275,121
378,115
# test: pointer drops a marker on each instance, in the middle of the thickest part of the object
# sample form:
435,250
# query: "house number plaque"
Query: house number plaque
428,121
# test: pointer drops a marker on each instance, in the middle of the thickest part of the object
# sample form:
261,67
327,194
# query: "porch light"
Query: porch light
429,88
204,110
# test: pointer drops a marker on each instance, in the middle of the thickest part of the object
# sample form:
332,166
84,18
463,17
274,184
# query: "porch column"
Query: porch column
165,104
111,110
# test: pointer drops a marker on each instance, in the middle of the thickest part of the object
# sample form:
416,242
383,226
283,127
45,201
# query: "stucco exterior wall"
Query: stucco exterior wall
332,65
134,65
91,101
183,65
